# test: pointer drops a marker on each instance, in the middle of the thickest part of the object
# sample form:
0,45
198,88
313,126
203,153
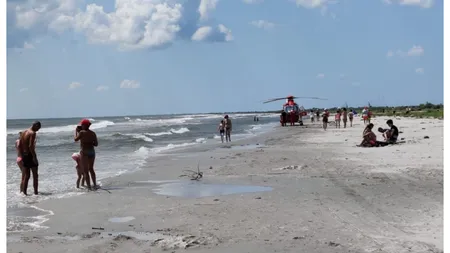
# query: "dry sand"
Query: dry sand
328,196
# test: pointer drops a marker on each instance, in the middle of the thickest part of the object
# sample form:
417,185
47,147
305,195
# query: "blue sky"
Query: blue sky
128,57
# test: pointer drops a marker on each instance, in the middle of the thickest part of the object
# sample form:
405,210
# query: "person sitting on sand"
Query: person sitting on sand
76,158
390,135
221,129
19,162
369,137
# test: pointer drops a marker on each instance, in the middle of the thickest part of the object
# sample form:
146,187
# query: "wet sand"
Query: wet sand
300,189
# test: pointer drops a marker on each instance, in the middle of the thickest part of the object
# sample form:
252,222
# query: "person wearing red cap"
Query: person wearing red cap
88,142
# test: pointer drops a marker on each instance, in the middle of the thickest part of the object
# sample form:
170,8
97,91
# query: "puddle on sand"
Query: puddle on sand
121,219
199,190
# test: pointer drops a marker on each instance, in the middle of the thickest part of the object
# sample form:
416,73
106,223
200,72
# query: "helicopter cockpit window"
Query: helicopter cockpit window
290,108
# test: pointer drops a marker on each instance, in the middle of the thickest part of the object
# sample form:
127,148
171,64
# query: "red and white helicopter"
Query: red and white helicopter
291,112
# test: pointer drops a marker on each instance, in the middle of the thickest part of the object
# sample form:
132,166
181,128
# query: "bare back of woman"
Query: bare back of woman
88,142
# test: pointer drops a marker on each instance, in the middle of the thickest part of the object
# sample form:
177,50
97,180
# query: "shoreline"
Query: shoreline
327,195
33,217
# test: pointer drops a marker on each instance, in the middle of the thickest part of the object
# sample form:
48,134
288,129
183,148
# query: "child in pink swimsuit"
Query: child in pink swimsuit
76,158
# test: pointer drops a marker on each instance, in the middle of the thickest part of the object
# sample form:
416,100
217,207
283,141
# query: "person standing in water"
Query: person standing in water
88,142
19,162
221,129
27,150
228,128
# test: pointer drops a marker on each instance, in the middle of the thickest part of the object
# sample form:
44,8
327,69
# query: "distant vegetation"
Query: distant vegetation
426,110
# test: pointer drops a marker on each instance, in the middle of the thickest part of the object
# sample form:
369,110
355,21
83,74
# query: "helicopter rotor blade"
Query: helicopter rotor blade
293,97
273,100
312,98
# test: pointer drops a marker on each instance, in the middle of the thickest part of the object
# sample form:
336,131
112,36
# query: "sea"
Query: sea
125,144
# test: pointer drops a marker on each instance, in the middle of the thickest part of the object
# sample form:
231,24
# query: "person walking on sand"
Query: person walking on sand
221,129
325,120
344,117
27,150
337,118
350,117
88,142
228,128
19,162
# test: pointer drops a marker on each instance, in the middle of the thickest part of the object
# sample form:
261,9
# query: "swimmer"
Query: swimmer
76,158
19,162
88,142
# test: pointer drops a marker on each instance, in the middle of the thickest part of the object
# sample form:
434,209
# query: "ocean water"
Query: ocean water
125,143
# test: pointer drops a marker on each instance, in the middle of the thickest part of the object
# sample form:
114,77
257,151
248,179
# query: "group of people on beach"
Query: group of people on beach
28,162
225,128
341,115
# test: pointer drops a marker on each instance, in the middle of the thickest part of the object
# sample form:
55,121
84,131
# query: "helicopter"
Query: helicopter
291,111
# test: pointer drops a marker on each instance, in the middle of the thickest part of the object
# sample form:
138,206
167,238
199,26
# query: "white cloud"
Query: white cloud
253,1
102,88
131,25
311,3
205,7
321,75
263,24
420,70
413,51
75,85
23,90
130,84
27,45
207,33
419,3
390,54
416,51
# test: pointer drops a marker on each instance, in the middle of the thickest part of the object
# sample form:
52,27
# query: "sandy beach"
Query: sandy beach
295,189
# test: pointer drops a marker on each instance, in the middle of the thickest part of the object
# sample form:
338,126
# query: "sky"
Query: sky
71,58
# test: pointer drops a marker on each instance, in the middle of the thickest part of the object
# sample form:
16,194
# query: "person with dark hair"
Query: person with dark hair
27,149
228,128
221,129
344,117
369,137
350,117
325,119
390,135
88,142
